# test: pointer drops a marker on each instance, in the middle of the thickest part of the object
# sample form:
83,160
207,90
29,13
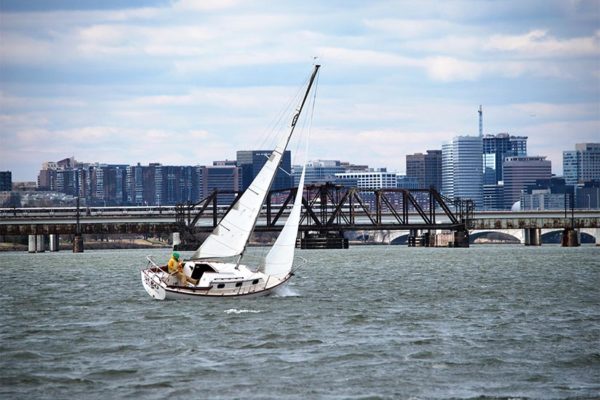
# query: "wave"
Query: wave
285,291
236,311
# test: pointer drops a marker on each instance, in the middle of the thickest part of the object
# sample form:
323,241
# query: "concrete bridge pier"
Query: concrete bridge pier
78,243
428,239
461,239
40,245
533,236
412,237
570,238
31,246
53,243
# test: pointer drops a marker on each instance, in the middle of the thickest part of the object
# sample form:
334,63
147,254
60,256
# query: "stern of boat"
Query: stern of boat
152,283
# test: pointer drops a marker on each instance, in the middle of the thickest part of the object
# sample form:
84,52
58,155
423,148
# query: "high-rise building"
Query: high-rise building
462,169
224,178
252,161
518,146
521,172
582,164
433,169
571,166
177,184
134,184
5,181
158,184
106,184
415,168
426,169
493,196
495,149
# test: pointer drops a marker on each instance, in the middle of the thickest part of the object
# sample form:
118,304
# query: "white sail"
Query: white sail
279,260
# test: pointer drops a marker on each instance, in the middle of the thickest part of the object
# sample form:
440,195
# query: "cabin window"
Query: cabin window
238,284
254,282
220,286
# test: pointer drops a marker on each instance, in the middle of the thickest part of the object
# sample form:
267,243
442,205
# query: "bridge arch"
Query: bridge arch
496,236
400,239
586,235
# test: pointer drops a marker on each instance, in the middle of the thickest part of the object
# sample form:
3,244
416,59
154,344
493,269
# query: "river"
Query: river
370,322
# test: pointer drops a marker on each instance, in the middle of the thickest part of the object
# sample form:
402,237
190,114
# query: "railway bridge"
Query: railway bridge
329,213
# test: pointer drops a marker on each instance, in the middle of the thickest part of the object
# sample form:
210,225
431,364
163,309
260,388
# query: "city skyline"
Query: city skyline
183,82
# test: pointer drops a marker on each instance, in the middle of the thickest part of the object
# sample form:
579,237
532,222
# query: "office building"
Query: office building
252,161
226,179
5,181
425,168
582,164
462,169
493,196
587,196
374,179
105,184
495,149
158,184
152,184
546,194
520,172
407,182
134,184
318,171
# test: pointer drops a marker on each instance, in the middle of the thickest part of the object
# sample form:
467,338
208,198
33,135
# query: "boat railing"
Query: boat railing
153,264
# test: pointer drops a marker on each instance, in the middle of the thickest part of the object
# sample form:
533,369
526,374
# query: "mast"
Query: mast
297,115
293,126
230,237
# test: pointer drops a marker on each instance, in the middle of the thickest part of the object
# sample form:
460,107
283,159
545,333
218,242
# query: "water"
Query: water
364,323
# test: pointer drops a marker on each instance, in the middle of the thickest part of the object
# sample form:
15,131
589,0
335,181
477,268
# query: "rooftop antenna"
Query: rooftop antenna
480,121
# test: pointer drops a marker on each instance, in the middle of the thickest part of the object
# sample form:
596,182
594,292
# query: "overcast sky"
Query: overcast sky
189,82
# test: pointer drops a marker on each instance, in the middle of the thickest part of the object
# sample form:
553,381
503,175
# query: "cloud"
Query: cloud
199,79
448,69
204,5
411,28
362,57
538,43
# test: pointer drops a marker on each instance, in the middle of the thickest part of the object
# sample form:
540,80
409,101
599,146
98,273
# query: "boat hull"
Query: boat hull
157,287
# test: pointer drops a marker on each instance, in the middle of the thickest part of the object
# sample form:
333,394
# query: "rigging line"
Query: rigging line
279,122
306,94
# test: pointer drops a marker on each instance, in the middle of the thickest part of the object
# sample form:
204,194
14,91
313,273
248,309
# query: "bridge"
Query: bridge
329,211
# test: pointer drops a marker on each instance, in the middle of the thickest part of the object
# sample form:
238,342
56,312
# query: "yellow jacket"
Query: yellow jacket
173,265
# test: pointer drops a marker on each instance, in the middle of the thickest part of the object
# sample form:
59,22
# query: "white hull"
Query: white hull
161,286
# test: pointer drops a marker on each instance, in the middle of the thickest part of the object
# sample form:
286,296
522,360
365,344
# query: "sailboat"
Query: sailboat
217,265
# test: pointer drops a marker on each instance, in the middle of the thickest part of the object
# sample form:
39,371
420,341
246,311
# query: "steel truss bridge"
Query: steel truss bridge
334,207
329,210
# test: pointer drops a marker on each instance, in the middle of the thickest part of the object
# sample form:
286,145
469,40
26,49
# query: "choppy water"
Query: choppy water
368,322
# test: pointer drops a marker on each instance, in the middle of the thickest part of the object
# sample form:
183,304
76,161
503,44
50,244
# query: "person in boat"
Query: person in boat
175,267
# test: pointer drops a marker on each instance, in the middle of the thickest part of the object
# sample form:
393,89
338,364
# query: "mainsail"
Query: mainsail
230,237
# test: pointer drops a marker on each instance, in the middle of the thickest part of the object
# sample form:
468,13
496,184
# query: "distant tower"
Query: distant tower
480,121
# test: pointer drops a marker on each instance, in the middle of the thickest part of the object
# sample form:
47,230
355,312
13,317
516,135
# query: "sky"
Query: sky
189,82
